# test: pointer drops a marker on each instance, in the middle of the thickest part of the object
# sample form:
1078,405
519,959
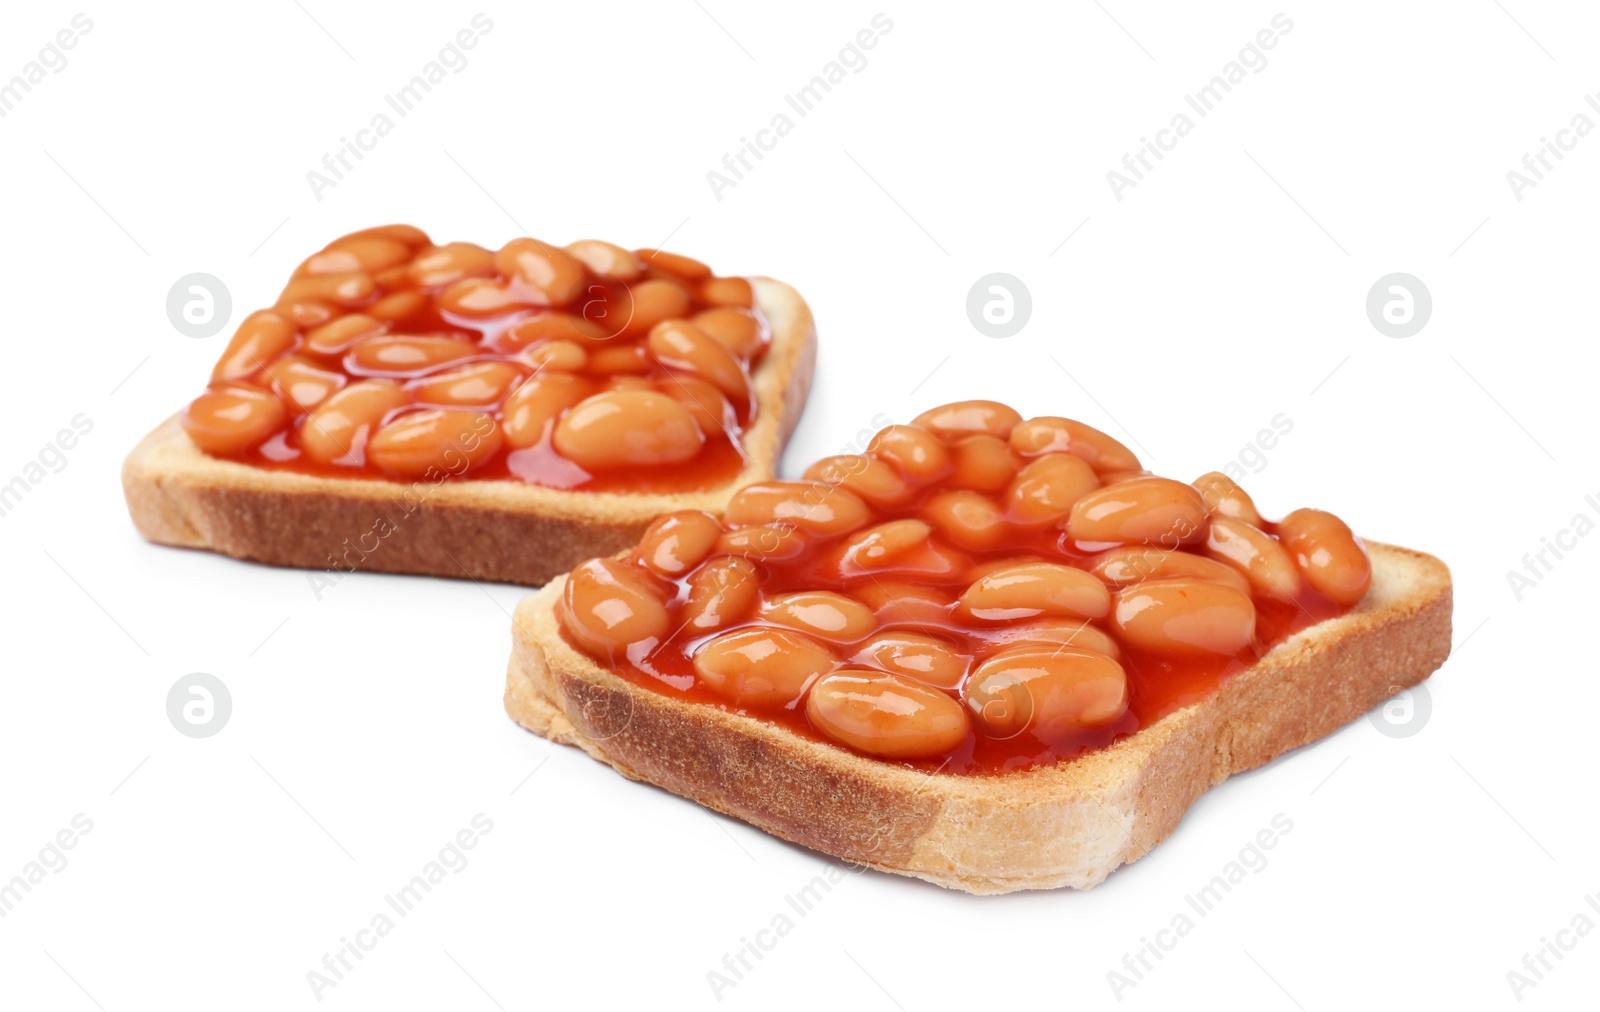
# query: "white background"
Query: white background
1226,288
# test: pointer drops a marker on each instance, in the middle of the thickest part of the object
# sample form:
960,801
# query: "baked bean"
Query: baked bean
763,541
346,290
969,519
1143,510
331,261
1050,434
551,326
680,345
762,667
556,275
262,337
534,406
1123,566
624,360
822,614
915,453
1184,617
392,278
628,428
480,383
340,425
965,418
1035,590
625,382
411,235
1059,633
333,338
605,259
640,306
735,329
1330,556
815,506
1046,490
731,292
684,267
884,545
608,605
867,477
982,462
1256,554
559,356
371,253
678,542
307,313
1050,692
912,655
397,306
357,255
721,592
228,420
452,440
1224,497
710,409
447,264
885,715
301,382
480,297
407,354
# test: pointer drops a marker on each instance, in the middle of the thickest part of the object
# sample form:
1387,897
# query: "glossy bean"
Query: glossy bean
628,428
823,614
1141,511
231,419
762,667
1184,617
1051,434
1050,692
885,715
434,441
1329,555
1029,590
337,430
608,605
815,506
721,592
678,542
1256,555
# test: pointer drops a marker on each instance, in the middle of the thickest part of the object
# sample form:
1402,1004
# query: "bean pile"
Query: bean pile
390,356
973,578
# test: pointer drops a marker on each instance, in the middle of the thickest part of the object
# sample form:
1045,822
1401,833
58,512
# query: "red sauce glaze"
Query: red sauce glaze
720,459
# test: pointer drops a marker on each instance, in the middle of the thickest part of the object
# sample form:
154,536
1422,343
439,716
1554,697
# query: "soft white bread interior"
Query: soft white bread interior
500,530
1066,825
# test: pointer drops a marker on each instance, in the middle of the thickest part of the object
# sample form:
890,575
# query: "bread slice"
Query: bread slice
1066,825
499,530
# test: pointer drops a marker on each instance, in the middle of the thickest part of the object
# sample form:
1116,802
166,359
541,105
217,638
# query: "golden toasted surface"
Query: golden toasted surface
490,530
1070,824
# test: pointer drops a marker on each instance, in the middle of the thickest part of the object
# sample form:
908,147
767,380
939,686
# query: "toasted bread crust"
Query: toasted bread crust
500,530
1066,825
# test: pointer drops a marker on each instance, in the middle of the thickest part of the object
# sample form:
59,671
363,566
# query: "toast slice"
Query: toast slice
1070,824
501,530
